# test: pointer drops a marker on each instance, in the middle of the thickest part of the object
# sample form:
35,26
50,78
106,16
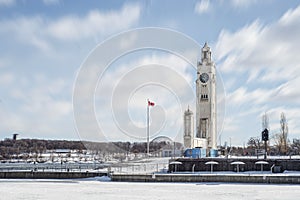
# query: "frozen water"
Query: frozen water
94,189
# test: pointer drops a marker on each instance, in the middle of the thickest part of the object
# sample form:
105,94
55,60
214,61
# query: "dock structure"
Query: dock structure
225,164
228,178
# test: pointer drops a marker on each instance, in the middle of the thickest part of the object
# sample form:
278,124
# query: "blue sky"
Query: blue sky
255,46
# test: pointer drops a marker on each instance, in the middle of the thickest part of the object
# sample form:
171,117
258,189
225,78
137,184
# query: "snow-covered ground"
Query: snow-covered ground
99,189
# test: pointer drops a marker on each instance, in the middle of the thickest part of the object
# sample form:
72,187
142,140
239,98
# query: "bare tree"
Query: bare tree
265,122
280,139
255,142
284,132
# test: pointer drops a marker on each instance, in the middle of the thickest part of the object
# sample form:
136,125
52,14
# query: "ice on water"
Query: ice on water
99,188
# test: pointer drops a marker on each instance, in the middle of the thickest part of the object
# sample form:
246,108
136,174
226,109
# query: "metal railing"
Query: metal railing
51,166
140,168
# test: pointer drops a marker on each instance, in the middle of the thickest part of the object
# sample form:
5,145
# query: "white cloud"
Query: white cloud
40,31
269,53
45,98
94,23
235,43
231,124
172,62
32,31
202,6
128,42
264,61
7,2
43,107
162,78
290,17
6,79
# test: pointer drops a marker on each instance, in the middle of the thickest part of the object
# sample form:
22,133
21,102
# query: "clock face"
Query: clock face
204,77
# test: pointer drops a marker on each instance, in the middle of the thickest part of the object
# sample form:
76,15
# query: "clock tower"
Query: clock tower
206,126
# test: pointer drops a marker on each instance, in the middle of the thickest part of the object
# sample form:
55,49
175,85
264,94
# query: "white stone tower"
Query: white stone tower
206,126
188,120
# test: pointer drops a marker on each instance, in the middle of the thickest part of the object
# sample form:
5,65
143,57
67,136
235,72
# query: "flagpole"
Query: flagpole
147,127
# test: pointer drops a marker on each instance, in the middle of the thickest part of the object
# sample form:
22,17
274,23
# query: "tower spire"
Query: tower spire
206,54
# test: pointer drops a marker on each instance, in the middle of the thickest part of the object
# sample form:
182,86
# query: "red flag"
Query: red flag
150,103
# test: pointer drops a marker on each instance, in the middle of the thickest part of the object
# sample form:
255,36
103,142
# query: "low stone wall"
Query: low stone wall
49,175
225,164
239,178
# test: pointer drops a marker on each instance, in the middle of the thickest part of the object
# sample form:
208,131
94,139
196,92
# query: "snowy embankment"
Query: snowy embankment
92,189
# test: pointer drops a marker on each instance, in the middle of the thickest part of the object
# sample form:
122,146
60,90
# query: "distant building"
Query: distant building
170,149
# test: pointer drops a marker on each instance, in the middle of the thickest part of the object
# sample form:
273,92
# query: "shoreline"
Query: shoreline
221,177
